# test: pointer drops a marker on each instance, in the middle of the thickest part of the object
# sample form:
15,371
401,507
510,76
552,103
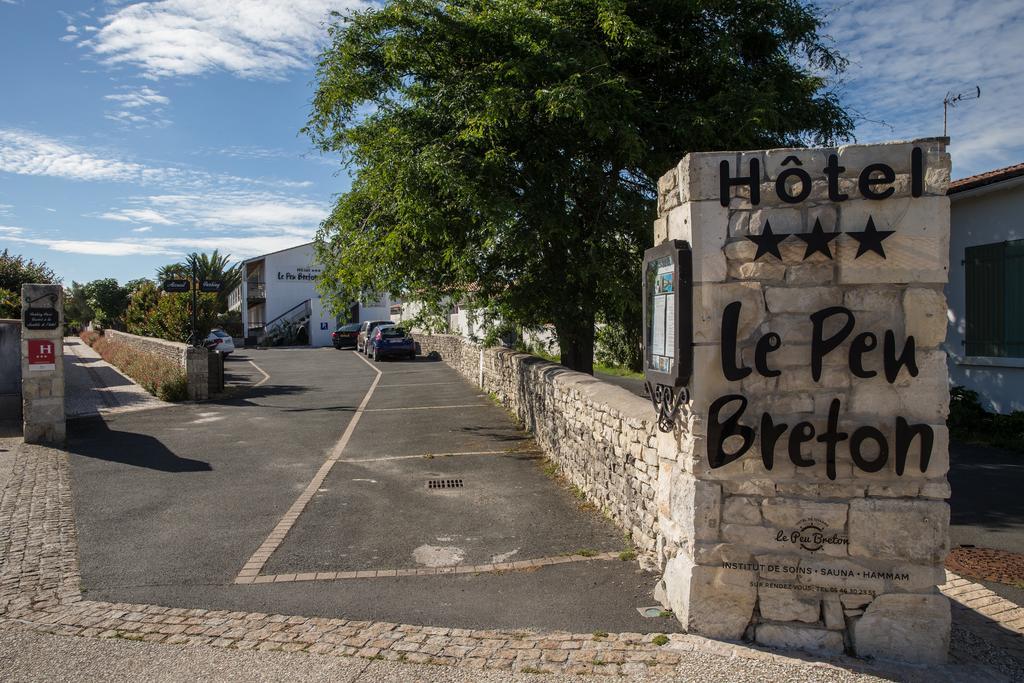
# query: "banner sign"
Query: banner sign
176,285
42,318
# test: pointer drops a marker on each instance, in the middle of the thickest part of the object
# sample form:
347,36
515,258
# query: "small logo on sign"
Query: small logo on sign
811,534
42,355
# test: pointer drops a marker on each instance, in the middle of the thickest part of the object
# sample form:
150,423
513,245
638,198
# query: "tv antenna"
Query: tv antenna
951,101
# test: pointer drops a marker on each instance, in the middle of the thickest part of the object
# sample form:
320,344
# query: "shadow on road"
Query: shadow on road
986,484
92,438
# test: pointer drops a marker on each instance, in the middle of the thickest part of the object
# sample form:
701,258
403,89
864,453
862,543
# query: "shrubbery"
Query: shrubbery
969,421
159,376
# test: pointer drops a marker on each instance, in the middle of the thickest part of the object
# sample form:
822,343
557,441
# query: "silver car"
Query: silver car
365,329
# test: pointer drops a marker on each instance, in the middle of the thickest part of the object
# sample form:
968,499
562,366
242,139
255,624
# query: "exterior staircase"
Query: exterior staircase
287,329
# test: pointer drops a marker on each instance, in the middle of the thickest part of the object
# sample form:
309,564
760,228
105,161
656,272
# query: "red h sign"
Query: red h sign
42,354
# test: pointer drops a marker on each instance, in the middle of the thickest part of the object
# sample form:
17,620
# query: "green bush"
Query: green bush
969,421
617,346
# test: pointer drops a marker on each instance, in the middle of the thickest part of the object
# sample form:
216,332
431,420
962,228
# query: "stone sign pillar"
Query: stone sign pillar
42,364
802,493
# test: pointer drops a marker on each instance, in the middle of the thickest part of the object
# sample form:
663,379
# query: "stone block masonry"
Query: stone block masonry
601,436
801,498
42,364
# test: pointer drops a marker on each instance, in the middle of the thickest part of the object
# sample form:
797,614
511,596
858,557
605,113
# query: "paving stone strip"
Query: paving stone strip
39,590
250,576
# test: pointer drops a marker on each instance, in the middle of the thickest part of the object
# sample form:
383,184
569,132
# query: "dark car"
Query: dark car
345,336
366,331
389,342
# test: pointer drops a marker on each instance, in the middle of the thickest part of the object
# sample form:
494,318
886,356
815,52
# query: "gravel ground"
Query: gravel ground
29,656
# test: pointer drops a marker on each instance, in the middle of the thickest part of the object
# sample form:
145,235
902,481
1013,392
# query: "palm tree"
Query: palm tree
216,266
172,271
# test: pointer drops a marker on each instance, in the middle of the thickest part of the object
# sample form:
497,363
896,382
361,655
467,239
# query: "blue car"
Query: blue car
392,342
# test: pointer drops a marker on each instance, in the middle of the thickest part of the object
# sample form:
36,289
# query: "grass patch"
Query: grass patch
665,613
586,552
161,377
659,640
530,670
600,634
627,555
617,371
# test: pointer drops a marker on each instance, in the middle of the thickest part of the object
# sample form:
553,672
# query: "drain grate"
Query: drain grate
444,483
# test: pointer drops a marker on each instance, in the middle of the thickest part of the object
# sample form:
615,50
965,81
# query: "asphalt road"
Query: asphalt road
171,503
987,505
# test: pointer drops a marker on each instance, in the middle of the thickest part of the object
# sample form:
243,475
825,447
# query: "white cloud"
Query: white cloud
10,230
144,229
26,153
137,216
139,107
237,247
906,56
143,97
249,38
234,210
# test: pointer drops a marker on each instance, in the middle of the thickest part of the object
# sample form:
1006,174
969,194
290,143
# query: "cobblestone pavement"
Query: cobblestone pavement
94,386
39,594
987,564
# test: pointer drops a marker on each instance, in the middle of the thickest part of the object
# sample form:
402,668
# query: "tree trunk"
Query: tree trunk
576,340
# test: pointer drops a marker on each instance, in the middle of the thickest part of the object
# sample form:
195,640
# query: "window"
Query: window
995,299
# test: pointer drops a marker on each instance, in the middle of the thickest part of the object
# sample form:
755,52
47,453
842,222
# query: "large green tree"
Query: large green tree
507,151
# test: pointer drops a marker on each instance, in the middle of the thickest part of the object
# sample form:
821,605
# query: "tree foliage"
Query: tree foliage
76,305
152,313
15,271
213,266
108,301
506,152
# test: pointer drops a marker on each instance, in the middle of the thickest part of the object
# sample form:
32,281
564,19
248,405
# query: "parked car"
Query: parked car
365,332
390,341
345,335
219,340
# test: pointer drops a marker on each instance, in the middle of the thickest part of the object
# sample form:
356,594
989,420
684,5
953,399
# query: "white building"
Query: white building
278,298
985,337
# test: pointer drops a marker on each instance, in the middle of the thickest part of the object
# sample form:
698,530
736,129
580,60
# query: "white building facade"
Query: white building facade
985,335
278,298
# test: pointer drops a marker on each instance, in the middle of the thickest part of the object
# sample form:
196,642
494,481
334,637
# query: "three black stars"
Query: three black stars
817,241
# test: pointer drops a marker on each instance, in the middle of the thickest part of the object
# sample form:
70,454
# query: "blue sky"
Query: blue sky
132,133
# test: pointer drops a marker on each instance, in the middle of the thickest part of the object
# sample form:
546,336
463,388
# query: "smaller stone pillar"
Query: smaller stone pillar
197,373
42,364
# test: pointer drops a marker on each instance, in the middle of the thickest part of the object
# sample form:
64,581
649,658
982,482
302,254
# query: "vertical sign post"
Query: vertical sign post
42,364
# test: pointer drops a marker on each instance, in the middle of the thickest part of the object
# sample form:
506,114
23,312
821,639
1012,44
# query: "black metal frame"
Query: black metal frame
667,389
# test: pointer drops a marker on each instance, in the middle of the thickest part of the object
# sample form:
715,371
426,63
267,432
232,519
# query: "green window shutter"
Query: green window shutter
984,266
1013,274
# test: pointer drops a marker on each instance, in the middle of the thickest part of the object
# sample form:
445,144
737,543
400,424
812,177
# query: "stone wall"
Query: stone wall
192,361
172,351
601,435
10,369
804,506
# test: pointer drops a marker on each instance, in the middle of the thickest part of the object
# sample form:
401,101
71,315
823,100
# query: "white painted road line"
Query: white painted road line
422,456
463,405
419,384
255,564
262,371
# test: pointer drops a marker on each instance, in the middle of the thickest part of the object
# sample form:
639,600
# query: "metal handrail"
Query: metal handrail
305,303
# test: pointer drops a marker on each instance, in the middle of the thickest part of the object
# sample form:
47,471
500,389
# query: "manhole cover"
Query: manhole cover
444,484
